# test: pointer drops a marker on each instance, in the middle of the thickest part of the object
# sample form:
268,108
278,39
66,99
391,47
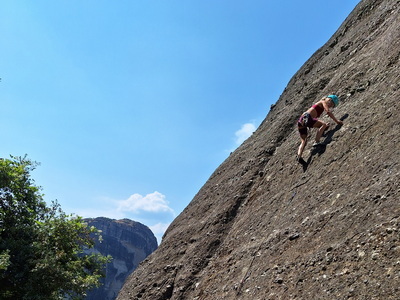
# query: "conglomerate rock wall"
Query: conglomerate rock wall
264,226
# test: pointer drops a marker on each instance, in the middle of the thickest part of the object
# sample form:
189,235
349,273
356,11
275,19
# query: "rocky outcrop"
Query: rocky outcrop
265,227
128,243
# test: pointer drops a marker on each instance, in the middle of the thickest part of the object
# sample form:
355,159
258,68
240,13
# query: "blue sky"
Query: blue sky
130,106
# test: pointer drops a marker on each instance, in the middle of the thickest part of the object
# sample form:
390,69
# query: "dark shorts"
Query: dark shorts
305,121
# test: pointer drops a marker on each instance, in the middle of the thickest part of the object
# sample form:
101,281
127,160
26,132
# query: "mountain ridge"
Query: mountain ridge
263,227
128,243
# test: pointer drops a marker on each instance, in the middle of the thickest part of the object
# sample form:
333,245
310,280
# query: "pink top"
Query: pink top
318,109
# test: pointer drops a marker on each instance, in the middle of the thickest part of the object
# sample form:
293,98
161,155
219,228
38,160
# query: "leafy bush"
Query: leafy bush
41,247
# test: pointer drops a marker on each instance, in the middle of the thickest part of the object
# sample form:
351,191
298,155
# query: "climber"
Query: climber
310,119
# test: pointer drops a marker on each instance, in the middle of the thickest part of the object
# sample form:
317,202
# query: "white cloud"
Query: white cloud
152,203
244,132
152,210
159,230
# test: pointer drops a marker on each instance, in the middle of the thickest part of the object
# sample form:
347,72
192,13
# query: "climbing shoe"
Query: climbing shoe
317,144
300,160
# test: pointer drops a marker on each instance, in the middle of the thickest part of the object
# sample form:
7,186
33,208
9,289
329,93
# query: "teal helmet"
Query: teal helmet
335,99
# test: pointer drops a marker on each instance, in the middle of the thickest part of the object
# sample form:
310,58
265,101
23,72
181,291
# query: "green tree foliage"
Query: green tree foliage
41,248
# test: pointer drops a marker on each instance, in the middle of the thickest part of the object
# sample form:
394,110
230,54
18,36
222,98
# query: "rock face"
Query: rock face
129,243
264,227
